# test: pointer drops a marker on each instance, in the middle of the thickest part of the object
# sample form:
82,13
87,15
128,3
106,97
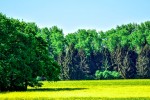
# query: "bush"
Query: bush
99,74
107,74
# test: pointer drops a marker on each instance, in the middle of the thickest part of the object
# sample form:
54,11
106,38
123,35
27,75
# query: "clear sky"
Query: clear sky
71,15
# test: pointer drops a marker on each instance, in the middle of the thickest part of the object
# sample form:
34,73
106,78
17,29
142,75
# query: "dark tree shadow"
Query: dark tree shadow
55,89
46,89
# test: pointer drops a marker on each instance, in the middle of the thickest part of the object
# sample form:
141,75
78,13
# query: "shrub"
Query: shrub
107,74
99,74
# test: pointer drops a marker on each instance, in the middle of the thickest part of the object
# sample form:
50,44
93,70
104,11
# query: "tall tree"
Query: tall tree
23,56
57,41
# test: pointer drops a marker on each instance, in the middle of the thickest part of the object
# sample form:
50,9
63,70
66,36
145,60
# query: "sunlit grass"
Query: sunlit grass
89,90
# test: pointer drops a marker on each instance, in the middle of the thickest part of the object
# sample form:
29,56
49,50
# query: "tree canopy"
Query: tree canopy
27,51
23,55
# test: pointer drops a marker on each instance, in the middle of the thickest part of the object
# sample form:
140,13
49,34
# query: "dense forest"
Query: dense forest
125,49
27,51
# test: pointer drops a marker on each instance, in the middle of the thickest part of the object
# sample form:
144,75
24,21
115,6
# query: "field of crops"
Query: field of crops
87,90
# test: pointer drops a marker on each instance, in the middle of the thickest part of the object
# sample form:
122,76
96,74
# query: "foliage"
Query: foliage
23,55
107,74
124,49
56,38
116,49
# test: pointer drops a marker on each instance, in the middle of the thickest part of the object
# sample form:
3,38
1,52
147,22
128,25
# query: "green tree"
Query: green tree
23,56
57,41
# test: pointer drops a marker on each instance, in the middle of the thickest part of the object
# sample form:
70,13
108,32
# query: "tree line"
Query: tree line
125,49
27,51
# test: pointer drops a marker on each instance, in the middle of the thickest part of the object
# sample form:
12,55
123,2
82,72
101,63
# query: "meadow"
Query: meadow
85,90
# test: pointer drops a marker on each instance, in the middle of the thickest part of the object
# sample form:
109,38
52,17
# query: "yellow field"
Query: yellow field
97,89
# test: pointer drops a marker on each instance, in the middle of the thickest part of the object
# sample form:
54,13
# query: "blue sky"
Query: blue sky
71,15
